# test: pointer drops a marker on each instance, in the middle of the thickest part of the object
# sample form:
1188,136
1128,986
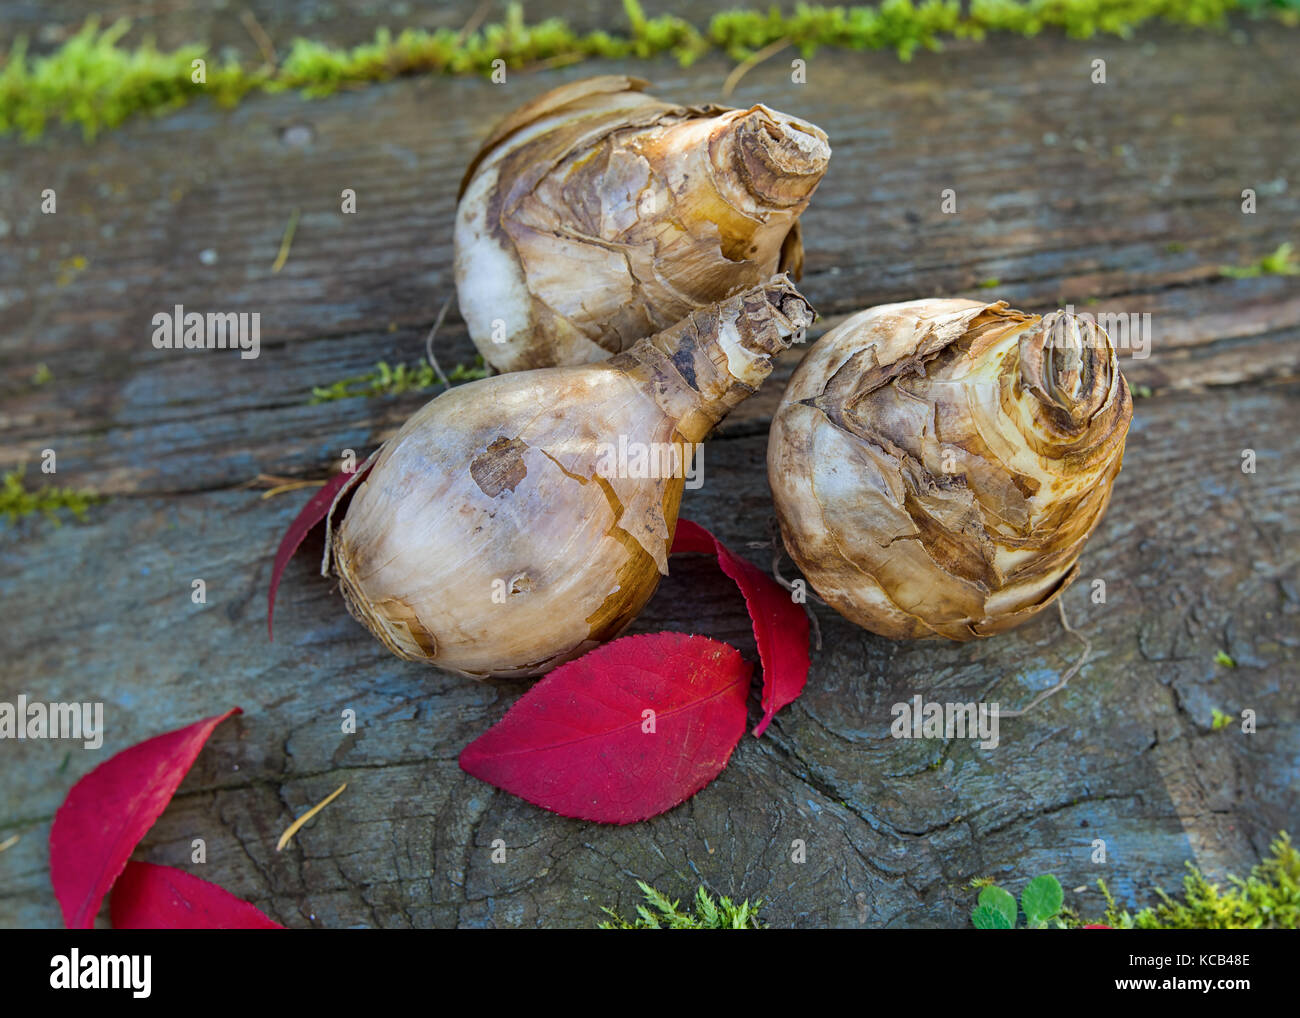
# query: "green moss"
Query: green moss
990,283
1224,658
1219,720
1281,262
661,914
70,269
17,502
390,381
1268,899
92,81
1138,391
42,375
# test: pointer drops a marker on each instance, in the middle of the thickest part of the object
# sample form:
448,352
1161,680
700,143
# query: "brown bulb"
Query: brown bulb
937,465
515,522
597,215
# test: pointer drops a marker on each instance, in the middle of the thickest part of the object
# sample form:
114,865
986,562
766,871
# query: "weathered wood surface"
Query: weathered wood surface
1126,193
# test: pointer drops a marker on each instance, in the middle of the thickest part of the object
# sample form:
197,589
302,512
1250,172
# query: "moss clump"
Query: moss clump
17,502
1267,899
93,82
661,914
1281,262
390,381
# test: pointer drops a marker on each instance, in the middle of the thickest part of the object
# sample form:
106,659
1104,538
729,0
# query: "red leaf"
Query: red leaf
303,524
109,810
149,897
575,743
1096,926
780,625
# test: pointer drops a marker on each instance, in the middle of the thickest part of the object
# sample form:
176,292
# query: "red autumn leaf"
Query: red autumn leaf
577,743
149,897
109,810
303,524
780,625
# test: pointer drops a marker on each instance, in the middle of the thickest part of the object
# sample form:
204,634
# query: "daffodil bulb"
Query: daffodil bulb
937,465
517,521
596,215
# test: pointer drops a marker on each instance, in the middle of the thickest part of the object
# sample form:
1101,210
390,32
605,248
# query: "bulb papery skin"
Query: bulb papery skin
499,533
597,215
937,465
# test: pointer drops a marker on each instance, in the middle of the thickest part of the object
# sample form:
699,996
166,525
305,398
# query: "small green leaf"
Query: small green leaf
985,917
1003,901
710,914
705,907
1042,899
1225,659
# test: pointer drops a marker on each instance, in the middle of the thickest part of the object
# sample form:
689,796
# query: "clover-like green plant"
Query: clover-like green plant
1041,902
1269,898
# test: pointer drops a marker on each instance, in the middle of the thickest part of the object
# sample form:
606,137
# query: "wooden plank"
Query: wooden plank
1054,224
1197,556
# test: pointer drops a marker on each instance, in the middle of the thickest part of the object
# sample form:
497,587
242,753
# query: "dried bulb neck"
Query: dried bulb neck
701,368
1066,364
779,160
